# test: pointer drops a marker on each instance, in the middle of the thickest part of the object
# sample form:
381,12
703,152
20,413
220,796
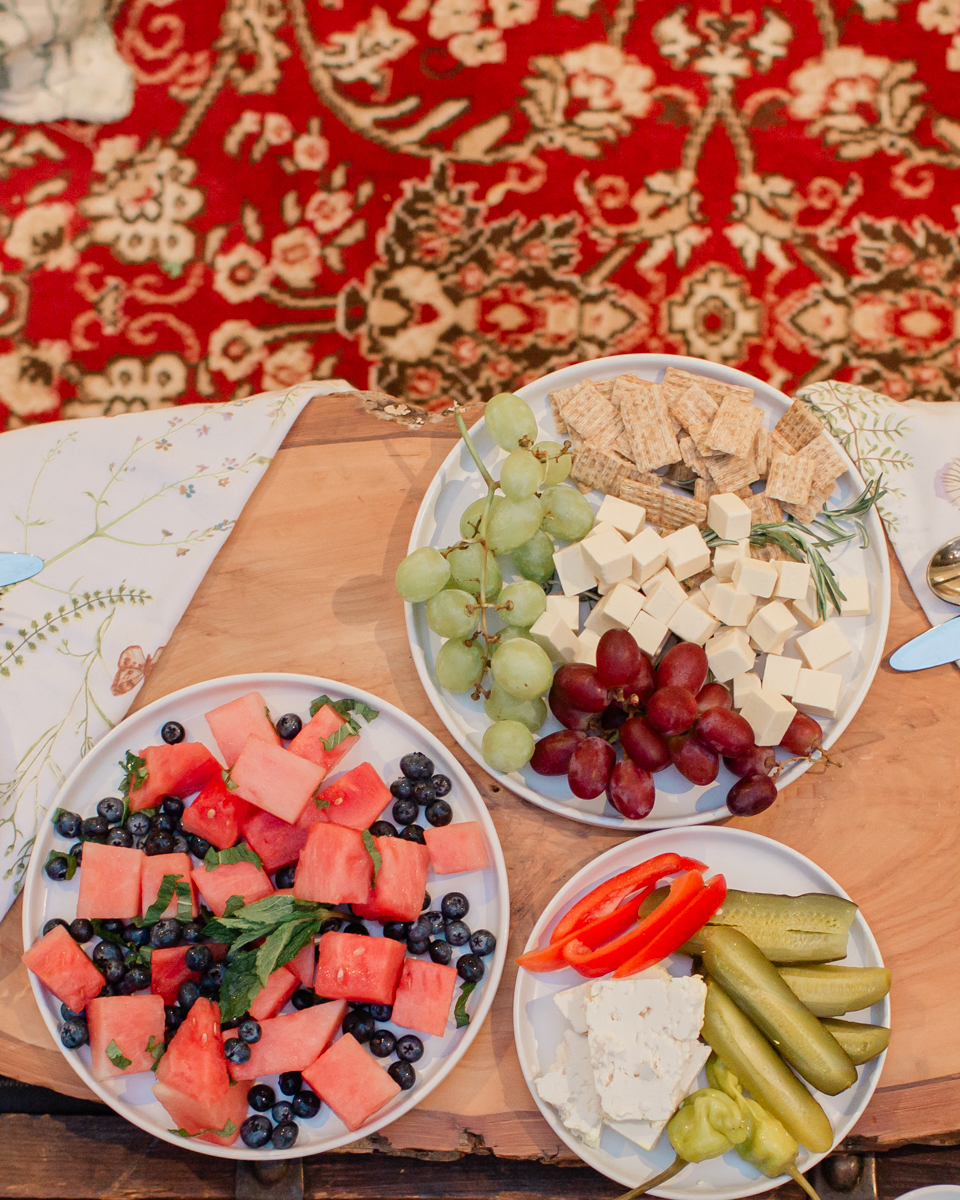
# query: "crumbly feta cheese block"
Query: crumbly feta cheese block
823,646
731,606
771,625
587,647
570,1088
699,599
602,527
755,576
729,654
806,609
664,578
691,624
649,554
743,685
780,674
646,1134
818,692
607,557
572,571
572,1004
567,608
662,602
768,714
628,518
728,516
856,589
561,641
793,579
725,558
649,633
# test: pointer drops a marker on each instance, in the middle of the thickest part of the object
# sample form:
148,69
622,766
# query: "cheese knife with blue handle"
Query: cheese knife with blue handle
15,568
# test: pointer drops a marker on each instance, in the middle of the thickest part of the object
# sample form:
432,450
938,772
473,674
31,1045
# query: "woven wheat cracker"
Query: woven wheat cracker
593,418
771,553
690,405
790,478
827,463
731,473
762,450
764,510
664,508
600,469
558,400
799,425
699,434
806,512
680,473
692,457
703,489
604,387
647,422
734,427
713,388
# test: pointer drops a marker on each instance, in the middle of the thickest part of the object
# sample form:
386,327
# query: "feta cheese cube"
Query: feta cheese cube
601,527
687,552
728,516
692,624
755,576
823,646
771,625
731,606
618,609
649,633
769,715
818,692
587,647
743,685
708,586
793,579
629,582
806,609
572,571
567,608
780,674
596,619
699,599
663,602
649,554
667,578
856,589
607,556
555,636
725,558
628,518
729,654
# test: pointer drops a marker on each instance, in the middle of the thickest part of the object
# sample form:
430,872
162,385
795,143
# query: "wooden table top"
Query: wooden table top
305,584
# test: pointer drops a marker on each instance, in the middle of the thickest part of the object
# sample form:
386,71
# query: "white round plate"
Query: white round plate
382,743
750,863
678,801
936,1191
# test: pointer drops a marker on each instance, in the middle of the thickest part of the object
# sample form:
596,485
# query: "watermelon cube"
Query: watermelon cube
60,964
231,724
273,778
217,814
178,770
356,799
128,1023
424,995
194,1062
218,1122
231,879
304,966
110,881
277,842
278,989
154,868
168,970
351,1082
309,741
334,867
291,1041
353,967
456,848
401,882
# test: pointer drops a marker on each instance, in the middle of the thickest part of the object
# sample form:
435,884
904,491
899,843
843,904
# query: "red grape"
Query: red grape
613,717
577,685
693,759
644,745
618,658
590,767
672,709
642,686
713,695
631,790
751,795
725,731
570,718
552,753
684,666
758,760
803,735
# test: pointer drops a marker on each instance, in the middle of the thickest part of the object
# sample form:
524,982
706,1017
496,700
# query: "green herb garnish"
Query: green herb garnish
169,886
226,1131
70,860
115,1054
234,854
460,1013
371,848
156,1050
227,779
134,771
343,708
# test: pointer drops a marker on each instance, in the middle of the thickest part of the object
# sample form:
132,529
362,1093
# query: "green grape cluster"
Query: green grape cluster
462,586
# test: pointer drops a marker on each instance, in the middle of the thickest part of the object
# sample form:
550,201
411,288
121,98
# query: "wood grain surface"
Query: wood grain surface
305,584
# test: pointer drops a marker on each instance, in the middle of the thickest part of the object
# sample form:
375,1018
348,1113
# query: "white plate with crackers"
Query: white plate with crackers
458,483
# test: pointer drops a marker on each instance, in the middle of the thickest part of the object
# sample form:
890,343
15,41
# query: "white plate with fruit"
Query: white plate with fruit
767,647
207,812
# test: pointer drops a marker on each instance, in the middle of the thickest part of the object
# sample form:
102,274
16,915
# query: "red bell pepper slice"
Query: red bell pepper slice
595,933
696,913
610,894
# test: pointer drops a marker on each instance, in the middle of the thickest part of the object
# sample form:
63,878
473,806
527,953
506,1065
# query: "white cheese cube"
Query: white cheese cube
587,647
663,602
731,606
567,608
555,636
574,574
629,582
607,557
725,558
769,715
692,624
806,609
823,646
709,586
649,554
649,633
602,527
728,516
771,625
755,576
623,605
793,579
818,692
729,654
664,577
743,685
699,599
628,518
780,674
596,620
687,552
856,589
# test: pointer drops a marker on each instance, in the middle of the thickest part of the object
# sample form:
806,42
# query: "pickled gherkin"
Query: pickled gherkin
830,991
861,1042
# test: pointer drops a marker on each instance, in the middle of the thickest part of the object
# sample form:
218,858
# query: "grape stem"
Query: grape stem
468,442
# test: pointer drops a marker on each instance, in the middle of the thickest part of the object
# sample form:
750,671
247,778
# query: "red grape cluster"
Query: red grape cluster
663,715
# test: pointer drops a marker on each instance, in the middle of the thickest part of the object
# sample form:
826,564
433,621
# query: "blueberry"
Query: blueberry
360,1024
441,952
303,998
120,837
402,1073
165,933
233,1023
454,906
69,824
158,842
198,846
81,930
236,1051
173,1016
383,1043
105,953
172,806
400,789
130,957
74,1034
306,1104
357,928
256,1132
108,989
482,942
93,827
409,1048
456,933
285,1134
53,923
173,732
76,851
188,993
470,968
249,1031
136,979
139,824
331,925
114,972
396,930
291,1082
434,919
56,868
111,809
423,792
192,932
285,876
380,1012
113,925
383,829
441,786
418,946
405,812
68,1014
163,822
136,937
426,902
261,1097
180,844
413,833
197,958
282,1111
288,726
211,979
416,765
420,929
439,813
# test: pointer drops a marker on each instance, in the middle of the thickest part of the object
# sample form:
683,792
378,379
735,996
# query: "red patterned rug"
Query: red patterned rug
444,198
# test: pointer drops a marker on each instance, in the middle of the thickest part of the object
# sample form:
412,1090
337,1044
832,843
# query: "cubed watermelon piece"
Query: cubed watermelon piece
353,967
274,779
231,724
168,970
217,814
401,882
334,867
351,1082
131,1024
218,1122
424,995
278,989
110,881
60,964
456,848
178,770
304,966
231,879
155,866
291,1041
194,1062
277,842
309,741
356,799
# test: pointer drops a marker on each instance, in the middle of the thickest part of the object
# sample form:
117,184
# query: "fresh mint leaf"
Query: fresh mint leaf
71,862
106,935
156,1050
365,711
56,815
240,985
134,771
225,776
226,1131
320,803
115,1054
234,854
284,944
371,848
348,729
168,888
233,905
184,895
341,707
460,1013
344,708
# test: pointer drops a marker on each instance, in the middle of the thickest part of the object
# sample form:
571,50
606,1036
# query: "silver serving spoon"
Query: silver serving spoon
942,643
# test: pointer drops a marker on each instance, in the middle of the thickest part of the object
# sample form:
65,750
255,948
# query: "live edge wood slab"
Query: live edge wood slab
305,584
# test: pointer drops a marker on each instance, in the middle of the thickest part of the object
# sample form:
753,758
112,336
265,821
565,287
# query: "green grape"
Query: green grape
514,522
534,559
501,706
522,668
528,603
472,514
508,746
567,514
458,666
422,574
453,613
521,475
514,631
558,463
465,571
509,419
